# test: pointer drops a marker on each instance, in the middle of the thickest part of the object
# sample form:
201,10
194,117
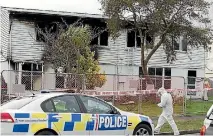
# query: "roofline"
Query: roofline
52,12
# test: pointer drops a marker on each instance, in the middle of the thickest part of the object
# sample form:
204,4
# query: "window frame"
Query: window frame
136,35
51,100
166,78
179,40
191,77
99,39
102,101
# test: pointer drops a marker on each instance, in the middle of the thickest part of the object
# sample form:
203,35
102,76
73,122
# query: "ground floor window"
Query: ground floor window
32,73
161,77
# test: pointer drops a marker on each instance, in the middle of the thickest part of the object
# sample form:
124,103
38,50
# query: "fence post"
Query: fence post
140,104
84,83
42,76
114,89
184,97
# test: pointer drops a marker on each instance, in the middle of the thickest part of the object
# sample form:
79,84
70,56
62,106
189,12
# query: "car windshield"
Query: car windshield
210,112
18,102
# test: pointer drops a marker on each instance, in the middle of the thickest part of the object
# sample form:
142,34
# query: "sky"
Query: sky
82,6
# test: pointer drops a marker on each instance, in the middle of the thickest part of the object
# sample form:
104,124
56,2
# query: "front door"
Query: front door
103,118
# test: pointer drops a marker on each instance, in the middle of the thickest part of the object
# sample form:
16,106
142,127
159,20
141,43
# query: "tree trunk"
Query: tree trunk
144,62
149,82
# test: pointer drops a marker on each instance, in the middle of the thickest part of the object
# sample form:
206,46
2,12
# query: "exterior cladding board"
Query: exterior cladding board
127,56
24,45
209,63
4,34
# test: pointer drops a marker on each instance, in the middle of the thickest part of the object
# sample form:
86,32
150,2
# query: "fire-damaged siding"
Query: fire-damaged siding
24,44
4,34
118,50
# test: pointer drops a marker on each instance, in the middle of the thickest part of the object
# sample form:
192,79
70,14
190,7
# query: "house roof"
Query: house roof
52,12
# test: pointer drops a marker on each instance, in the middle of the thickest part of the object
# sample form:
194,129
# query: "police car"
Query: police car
69,114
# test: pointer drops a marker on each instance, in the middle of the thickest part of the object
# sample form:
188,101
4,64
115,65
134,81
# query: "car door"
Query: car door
105,120
65,115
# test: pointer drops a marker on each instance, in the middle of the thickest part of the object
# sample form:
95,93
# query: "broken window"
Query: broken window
31,74
176,43
104,38
101,40
131,39
184,44
191,79
42,28
179,43
134,40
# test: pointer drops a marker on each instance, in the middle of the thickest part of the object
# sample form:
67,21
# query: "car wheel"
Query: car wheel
142,130
45,132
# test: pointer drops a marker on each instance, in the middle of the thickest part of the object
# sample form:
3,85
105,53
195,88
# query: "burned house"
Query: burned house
21,49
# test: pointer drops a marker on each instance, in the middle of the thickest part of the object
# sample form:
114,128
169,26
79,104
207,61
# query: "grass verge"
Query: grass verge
193,107
183,125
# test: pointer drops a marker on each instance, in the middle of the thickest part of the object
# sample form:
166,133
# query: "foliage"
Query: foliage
69,48
165,20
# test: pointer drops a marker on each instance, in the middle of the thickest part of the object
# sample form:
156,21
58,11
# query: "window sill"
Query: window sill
103,47
179,51
132,49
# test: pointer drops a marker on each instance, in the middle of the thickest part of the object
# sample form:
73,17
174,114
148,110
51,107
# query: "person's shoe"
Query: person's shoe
156,132
176,134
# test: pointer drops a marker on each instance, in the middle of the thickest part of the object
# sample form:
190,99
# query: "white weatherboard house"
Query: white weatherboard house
21,50
209,63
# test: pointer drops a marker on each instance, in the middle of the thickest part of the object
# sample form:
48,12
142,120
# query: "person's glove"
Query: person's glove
159,105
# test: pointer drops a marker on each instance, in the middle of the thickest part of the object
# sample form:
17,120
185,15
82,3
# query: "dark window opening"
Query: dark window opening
159,71
192,74
175,43
94,41
131,39
149,40
140,72
43,28
184,44
26,67
32,72
31,67
104,38
151,71
138,40
167,71
101,40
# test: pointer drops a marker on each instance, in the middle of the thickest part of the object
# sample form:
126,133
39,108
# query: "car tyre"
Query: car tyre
142,129
45,132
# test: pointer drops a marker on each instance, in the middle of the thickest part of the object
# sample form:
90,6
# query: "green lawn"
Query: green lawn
183,125
193,107
152,110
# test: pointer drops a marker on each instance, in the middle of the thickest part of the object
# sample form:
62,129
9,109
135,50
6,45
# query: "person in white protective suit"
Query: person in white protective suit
167,114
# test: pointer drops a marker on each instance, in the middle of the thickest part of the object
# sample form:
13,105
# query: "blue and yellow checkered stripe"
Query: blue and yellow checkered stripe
67,122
